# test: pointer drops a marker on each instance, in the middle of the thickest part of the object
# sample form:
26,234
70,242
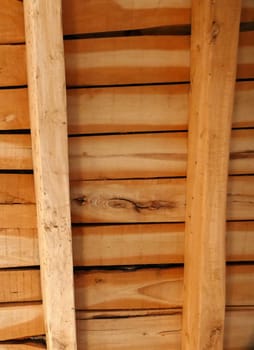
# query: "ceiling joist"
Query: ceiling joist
47,99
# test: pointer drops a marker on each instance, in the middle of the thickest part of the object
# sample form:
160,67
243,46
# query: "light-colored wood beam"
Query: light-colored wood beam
214,42
47,98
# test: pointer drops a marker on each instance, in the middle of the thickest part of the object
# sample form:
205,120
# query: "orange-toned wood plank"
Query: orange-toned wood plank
127,156
123,245
125,290
14,109
48,114
113,15
22,346
124,60
11,22
123,201
146,108
214,41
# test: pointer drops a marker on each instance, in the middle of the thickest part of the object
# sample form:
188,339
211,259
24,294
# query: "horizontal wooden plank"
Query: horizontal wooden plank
14,109
146,108
22,346
122,60
127,156
12,65
118,201
21,321
114,290
78,16
158,332
127,201
122,245
118,330
11,22
240,200
129,60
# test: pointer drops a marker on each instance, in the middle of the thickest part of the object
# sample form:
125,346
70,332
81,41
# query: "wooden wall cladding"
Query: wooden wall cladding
124,60
122,201
145,288
121,329
127,156
112,15
146,108
119,219
122,244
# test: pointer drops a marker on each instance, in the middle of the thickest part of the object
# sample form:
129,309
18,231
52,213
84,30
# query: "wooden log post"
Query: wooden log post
215,28
47,98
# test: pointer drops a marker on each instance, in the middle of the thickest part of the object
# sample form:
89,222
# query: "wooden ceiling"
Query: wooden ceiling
151,175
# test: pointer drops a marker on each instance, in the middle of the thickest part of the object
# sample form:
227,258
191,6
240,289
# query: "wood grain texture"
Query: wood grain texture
21,321
214,41
123,60
14,109
118,201
48,114
158,332
113,15
146,108
127,201
146,288
12,65
125,330
22,346
11,22
127,156
123,245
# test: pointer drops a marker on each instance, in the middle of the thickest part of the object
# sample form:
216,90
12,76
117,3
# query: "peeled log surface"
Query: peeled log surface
118,201
127,156
146,108
111,15
123,60
144,288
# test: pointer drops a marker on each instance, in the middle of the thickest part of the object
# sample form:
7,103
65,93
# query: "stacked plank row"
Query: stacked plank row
128,82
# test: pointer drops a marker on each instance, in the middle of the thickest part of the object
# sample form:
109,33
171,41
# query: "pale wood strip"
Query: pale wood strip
18,247
21,321
123,201
122,245
123,290
78,16
146,108
122,60
47,99
214,41
18,216
103,201
127,156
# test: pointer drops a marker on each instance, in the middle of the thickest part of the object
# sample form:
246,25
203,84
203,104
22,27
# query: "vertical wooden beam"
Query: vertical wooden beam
47,99
214,42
